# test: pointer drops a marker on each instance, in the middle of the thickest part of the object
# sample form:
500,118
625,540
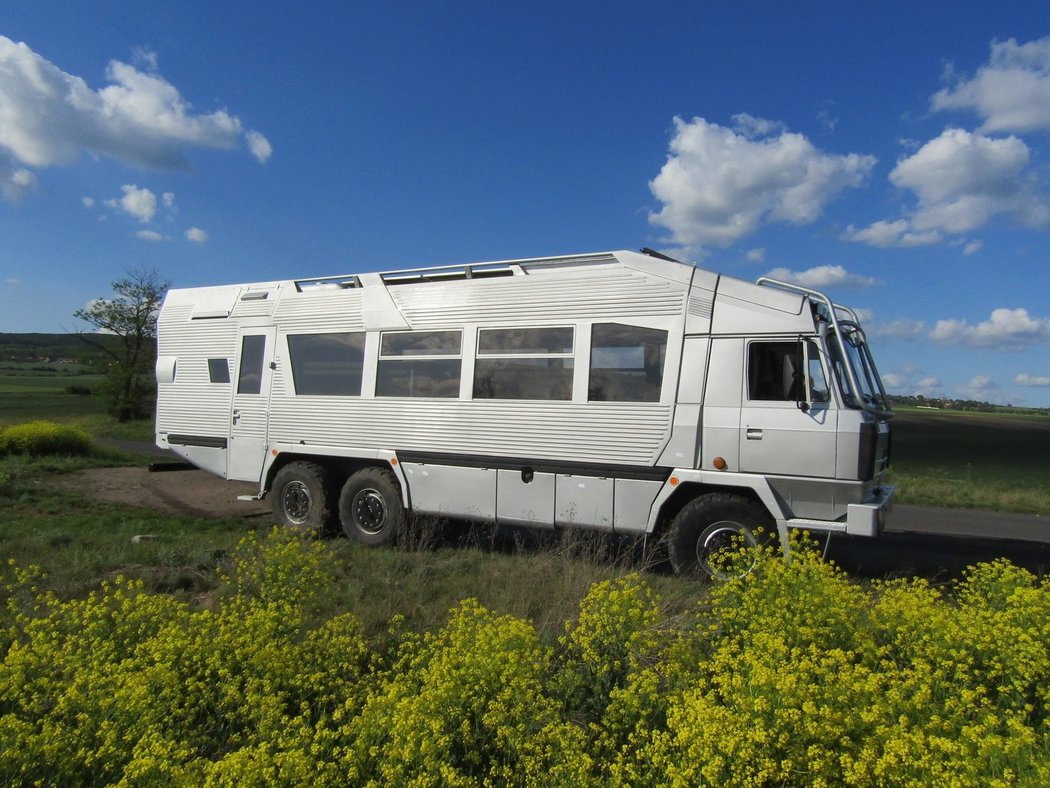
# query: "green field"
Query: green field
999,462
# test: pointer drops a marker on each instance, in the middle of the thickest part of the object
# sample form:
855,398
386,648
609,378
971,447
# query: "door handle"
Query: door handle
754,434
236,416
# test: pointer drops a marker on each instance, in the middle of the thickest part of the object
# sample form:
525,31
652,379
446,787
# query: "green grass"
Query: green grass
79,543
999,462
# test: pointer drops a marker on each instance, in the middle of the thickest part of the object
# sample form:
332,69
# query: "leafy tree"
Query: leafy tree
131,316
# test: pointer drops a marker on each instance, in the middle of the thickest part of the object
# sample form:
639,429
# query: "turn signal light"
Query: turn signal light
720,463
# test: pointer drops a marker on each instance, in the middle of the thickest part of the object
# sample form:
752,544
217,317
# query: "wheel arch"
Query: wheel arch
685,492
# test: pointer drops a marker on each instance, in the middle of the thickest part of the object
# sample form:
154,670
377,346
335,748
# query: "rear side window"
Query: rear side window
524,363
627,363
420,364
327,364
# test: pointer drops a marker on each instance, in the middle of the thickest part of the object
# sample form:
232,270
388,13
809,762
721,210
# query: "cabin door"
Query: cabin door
787,424
250,407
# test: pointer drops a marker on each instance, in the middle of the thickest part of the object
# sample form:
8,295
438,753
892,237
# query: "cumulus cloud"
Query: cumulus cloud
140,203
973,247
259,146
961,181
1011,92
150,235
1005,329
981,387
912,380
197,235
719,185
1024,379
822,276
49,117
885,234
902,328
755,255
16,184
88,202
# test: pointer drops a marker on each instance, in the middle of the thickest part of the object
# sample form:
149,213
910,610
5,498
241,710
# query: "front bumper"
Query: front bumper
869,518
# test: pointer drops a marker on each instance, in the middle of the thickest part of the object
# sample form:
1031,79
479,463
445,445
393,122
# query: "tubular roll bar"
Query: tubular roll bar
851,322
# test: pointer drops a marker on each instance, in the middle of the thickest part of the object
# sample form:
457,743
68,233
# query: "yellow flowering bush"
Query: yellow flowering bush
44,437
462,706
793,674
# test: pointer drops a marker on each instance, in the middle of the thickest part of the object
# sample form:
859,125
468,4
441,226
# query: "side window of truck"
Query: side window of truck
419,364
627,363
524,363
329,364
776,372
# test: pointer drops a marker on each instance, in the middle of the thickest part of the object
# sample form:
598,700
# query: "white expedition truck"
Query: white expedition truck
619,391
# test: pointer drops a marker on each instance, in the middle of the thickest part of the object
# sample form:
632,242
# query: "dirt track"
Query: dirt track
193,492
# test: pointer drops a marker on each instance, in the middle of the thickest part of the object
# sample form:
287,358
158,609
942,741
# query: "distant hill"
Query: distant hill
48,347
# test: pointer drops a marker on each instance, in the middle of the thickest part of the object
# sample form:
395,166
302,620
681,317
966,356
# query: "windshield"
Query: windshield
868,392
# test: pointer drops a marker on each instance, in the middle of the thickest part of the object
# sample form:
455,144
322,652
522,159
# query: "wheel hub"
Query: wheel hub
296,501
369,511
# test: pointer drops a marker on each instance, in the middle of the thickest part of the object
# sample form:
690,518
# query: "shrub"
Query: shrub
44,437
793,674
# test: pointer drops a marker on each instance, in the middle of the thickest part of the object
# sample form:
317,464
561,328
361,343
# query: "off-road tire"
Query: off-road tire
303,498
711,522
370,507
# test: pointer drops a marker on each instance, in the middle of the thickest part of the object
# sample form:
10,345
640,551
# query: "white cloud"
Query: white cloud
822,276
981,387
259,146
140,203
1006,329
89,202
885,234
961,182
1011,92
150,235
972,248
197,235
12,280
755,255
16,184
902,328
752,127
1024,379
905,382
49,117
718,185
928,383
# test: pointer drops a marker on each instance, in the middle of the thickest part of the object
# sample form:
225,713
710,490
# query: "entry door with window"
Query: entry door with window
249,410
787,424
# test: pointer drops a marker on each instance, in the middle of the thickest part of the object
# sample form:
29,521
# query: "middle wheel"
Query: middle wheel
370,507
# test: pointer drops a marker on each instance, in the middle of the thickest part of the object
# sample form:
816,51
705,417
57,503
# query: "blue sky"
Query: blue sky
894,154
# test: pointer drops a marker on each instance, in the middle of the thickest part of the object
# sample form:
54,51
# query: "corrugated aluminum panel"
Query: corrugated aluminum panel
322,310
630,434
577,295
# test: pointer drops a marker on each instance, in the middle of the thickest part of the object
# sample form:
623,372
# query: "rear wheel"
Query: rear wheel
370,507
718,535
302,497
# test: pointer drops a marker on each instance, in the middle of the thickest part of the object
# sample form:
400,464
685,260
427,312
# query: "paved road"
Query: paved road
968,523
936,541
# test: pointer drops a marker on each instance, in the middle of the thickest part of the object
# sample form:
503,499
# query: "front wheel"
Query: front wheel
719,535
302,498
370,507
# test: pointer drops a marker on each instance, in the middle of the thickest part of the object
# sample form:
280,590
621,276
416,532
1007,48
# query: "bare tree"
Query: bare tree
131,317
